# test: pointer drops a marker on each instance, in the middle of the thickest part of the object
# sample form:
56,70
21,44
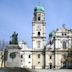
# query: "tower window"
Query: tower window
38,18
21,60
38,33
38,43
29,56
50,57
21,56
62,34
65,34
29,62
64,45
38,62
38,55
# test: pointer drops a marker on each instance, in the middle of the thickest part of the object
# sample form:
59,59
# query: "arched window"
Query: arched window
38,55
21,56
50,56
38,33
64,45
50,65
38,18
38,44
29,56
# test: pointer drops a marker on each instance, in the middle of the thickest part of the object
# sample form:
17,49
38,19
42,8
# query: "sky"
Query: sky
17,15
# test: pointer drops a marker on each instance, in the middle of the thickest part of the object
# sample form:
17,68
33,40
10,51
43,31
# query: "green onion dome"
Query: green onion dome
39,9
50,35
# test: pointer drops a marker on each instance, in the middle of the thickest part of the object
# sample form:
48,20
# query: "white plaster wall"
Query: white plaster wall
35,30
35,44
27,59
13,62
36,60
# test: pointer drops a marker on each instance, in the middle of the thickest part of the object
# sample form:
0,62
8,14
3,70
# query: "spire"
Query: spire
39,4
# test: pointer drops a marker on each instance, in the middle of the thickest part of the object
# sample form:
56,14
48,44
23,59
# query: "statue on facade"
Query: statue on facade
14,39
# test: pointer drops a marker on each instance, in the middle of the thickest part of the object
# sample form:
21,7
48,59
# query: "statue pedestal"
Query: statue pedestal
13,56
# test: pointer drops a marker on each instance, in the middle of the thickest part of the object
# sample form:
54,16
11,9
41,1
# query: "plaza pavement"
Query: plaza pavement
53,70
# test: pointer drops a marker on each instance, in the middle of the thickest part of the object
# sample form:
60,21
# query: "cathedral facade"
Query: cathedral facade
43,54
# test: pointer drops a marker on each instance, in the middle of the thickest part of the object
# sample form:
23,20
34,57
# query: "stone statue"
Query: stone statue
14,39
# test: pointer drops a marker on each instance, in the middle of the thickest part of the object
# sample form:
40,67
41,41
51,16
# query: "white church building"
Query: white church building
42,54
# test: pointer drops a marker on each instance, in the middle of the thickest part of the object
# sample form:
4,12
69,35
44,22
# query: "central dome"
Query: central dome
39,9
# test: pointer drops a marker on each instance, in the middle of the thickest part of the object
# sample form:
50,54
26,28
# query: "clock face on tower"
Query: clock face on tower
38,28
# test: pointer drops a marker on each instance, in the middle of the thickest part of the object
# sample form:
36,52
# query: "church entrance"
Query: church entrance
50,65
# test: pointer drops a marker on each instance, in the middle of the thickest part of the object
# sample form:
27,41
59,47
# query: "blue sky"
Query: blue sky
16,15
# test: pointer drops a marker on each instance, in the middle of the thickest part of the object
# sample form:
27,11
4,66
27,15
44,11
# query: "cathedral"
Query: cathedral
42,55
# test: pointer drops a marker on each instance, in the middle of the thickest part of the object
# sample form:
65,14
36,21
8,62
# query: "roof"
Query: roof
39,8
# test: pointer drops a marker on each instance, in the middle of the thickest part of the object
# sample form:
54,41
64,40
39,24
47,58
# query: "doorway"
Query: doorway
50,65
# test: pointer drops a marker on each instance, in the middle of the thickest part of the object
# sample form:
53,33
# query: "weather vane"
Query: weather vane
39,3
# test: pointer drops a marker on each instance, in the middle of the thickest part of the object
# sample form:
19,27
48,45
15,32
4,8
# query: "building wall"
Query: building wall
48,60
13,62
35,43
38,62
26,59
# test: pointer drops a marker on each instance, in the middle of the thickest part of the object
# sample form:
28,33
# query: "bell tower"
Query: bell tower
38,28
